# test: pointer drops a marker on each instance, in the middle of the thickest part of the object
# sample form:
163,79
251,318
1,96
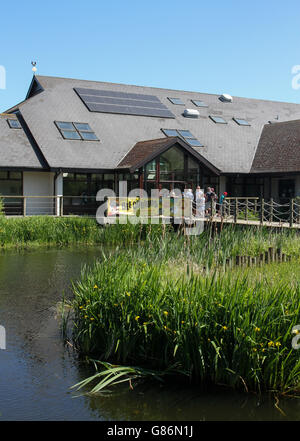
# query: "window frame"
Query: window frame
9,120
199,101
212,117
75,130
236,120
186,139
175,98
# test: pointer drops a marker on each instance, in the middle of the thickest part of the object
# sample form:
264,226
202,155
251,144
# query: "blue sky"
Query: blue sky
241,48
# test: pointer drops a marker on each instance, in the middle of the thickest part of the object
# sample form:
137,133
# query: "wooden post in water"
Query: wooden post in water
272,254
267,257
279,255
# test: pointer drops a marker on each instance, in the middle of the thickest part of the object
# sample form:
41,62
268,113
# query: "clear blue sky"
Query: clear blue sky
241,48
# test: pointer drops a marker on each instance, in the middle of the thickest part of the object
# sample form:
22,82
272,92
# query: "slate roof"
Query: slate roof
229,147
278,149
15,149
145,151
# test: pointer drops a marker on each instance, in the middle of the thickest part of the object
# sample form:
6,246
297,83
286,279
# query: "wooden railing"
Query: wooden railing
235,210
257,210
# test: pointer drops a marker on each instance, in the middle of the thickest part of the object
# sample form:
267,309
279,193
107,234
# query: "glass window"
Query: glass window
14,124
151,170
64,125
15,175
185,134
70,135
80,131
10,185
176,101
81,127
194,142
172,164
80,177
199,103
218,119
88,136
109,177
168,132
241,122
192,165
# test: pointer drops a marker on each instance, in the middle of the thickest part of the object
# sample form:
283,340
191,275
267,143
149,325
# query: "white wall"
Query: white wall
38,184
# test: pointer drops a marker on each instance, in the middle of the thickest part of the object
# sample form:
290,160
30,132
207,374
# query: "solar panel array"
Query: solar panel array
108,101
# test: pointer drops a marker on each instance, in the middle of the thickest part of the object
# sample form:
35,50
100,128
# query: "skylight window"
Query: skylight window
218,119
241,122
176,101
199,103
185,135
14,124
80,131
168,132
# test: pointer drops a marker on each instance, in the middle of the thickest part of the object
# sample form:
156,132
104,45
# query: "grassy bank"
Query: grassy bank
154,307
46,230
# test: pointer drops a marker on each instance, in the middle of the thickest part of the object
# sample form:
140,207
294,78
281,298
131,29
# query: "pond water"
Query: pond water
37,370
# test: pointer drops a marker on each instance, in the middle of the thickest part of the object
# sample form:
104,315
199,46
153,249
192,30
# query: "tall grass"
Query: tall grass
137,308
1,207
46,230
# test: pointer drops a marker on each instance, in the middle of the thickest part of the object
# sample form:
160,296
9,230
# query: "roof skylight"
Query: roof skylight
186,135
80,131
241,122
176,101
14,124
199,103
218,119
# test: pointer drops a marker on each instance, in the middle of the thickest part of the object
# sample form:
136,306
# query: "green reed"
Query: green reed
138,308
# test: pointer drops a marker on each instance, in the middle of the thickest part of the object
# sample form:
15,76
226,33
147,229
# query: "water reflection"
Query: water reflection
37,370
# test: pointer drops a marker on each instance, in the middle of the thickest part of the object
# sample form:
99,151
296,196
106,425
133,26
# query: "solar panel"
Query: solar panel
109,101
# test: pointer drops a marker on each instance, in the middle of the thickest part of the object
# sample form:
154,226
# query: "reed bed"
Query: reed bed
152,307
47,230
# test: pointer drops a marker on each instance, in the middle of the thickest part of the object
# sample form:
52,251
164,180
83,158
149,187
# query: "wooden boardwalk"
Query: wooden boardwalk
254,223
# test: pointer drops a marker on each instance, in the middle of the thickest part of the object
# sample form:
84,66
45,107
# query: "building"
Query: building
73,137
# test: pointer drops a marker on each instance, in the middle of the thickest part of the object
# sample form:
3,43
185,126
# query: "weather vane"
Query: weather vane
33,68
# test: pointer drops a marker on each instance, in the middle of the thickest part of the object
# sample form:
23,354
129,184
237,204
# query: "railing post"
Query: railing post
235,210
271,209
61,206
24,206
246,210
262,209
291,212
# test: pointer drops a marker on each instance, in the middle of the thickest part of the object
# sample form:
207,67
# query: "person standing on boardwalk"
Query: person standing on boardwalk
221,202
200,203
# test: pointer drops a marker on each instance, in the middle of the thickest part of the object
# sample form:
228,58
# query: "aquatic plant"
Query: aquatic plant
134,309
